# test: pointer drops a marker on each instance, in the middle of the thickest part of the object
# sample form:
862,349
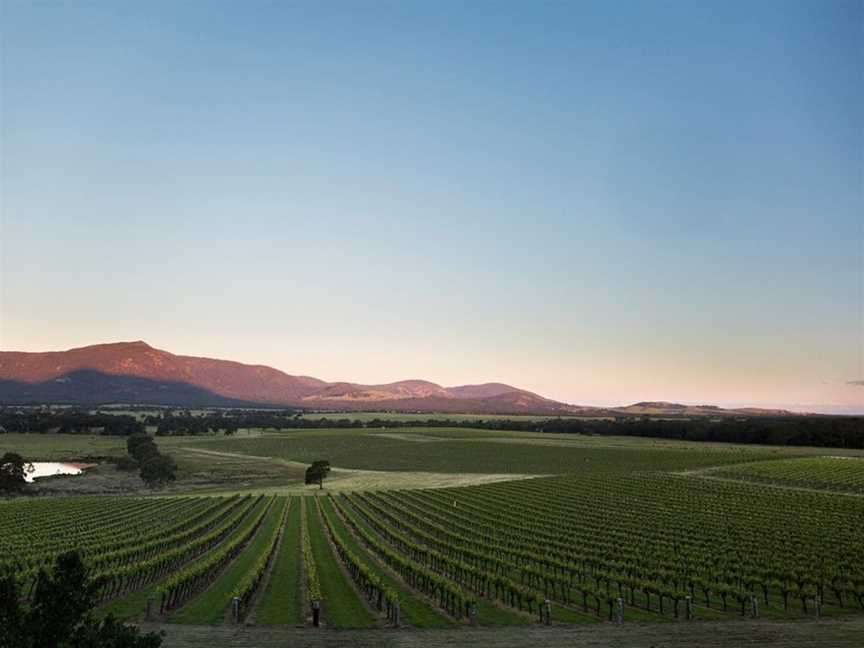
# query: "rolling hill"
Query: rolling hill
136,373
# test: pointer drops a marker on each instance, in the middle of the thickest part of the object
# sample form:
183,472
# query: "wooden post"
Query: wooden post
547,612
620,610
151,600
235,609
689,601
472,613
754,607
818,602
316,613
396,614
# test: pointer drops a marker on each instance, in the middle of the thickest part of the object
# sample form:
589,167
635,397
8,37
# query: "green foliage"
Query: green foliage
158,469
60,613
342,608
317,472
822,473
13,469
141,446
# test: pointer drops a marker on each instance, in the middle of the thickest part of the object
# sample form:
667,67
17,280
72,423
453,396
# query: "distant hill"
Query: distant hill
662,408
136,373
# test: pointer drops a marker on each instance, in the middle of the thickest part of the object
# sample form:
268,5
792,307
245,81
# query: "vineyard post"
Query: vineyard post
818,602
316,613
235,609
547,611
396,613
151,599
689,600
620,611
472,613
754,607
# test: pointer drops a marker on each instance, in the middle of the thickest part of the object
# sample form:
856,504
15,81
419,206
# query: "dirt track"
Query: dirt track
773,634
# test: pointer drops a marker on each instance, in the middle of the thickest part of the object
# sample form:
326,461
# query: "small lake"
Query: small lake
52,468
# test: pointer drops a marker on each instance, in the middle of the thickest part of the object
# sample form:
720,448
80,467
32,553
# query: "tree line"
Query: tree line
818,431
71,421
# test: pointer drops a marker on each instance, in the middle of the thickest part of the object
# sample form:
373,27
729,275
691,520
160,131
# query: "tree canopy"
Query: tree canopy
317,473
60,613
155,468
13,470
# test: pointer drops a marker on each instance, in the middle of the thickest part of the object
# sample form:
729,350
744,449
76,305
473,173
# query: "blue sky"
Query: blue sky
602,202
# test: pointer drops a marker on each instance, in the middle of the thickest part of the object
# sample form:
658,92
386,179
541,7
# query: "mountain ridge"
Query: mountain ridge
139,373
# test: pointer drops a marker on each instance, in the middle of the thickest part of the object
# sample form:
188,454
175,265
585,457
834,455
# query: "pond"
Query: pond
52,468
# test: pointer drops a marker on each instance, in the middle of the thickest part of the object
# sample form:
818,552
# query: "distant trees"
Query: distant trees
317,473
819,431
155,468
67,421
60,612
158,470
13,470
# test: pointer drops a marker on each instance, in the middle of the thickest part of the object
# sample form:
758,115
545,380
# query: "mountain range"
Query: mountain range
136,373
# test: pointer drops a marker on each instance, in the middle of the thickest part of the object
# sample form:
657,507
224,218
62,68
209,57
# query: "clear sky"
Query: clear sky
603,202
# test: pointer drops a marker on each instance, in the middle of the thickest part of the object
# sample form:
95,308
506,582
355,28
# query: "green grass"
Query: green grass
282,602
489,614
212,605
415,611
56,447
131,606
342,606
470,455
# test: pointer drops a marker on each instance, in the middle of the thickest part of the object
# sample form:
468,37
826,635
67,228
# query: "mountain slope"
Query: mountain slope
135,372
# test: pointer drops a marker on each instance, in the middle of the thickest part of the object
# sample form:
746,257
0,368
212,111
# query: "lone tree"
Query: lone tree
317,473
13,469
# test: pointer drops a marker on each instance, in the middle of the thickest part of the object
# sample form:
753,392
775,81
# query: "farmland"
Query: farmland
449,530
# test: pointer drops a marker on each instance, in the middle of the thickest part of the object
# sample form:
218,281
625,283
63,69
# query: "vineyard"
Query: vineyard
554,550
821,473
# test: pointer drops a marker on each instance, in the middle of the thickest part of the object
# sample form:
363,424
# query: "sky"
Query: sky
601,202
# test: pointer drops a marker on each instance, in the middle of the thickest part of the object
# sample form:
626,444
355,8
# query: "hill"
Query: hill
136,373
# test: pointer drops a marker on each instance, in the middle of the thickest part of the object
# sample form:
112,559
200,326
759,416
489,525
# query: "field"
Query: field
821,473
451,530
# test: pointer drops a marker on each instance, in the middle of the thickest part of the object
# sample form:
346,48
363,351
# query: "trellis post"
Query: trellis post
689,600
619,611
316,613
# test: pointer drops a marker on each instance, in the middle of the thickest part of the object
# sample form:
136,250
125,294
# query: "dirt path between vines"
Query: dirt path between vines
836,633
